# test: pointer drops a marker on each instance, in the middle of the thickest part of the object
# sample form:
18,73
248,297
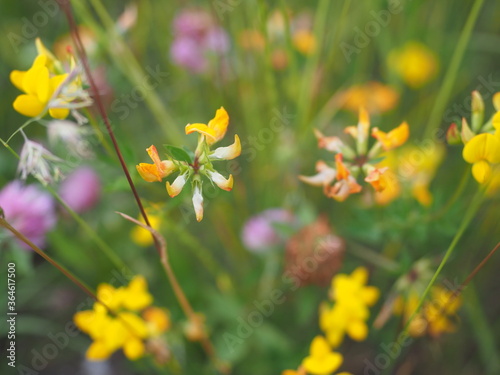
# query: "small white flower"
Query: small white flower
220,181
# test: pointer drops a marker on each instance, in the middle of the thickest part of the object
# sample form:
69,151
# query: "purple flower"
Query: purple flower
185,52
29,210
81,189
196,37
260,233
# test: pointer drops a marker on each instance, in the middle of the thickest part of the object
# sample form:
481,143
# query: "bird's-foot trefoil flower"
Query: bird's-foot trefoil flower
123,319
340,180
481,140
193,166
48,87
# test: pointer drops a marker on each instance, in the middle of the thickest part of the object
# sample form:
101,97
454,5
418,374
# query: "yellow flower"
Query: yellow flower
304,41
436,316
216,128
321,360
350,311
38,88
393,139
157,171
482,151
374,96
47,87
123,329
143,237
415,63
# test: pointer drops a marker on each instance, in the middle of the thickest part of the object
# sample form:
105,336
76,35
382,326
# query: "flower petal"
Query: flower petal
219,125
200,128
28,105
220,181
198,203
174,189
482,147
229,152
17,77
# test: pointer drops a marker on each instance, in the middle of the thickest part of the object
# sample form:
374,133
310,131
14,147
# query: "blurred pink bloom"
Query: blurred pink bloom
260,231
29,210
81,189
197,36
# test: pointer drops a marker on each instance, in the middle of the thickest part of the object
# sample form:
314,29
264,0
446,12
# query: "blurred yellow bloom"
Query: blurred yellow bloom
393,139
415,63
143,237
437,315
374,96
123,329
322,360
252,40
482,151
304,41
350,311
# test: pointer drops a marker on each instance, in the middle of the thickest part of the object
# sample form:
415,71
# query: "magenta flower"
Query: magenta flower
81,189
29,210
260,232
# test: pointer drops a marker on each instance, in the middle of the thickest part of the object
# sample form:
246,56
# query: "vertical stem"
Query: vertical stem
451,73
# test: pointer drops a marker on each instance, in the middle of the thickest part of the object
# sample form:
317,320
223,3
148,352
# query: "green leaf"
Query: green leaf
178,153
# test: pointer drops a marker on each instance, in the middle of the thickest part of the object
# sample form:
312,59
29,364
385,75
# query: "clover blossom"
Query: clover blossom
46,86
341,181
194,166
115,323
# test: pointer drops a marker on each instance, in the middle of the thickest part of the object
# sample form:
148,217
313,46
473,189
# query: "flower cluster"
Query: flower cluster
350,310
437,315
198,38
193,166
116,323
481,141
47,86
341,181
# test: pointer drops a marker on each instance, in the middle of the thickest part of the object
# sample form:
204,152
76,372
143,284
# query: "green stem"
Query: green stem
451,74
305,96
21,128
469,215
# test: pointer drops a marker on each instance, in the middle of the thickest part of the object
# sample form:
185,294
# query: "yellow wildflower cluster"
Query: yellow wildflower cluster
340,182
437,315
194,166
116,323
351,299
481,142
321,360
350,310
46,86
